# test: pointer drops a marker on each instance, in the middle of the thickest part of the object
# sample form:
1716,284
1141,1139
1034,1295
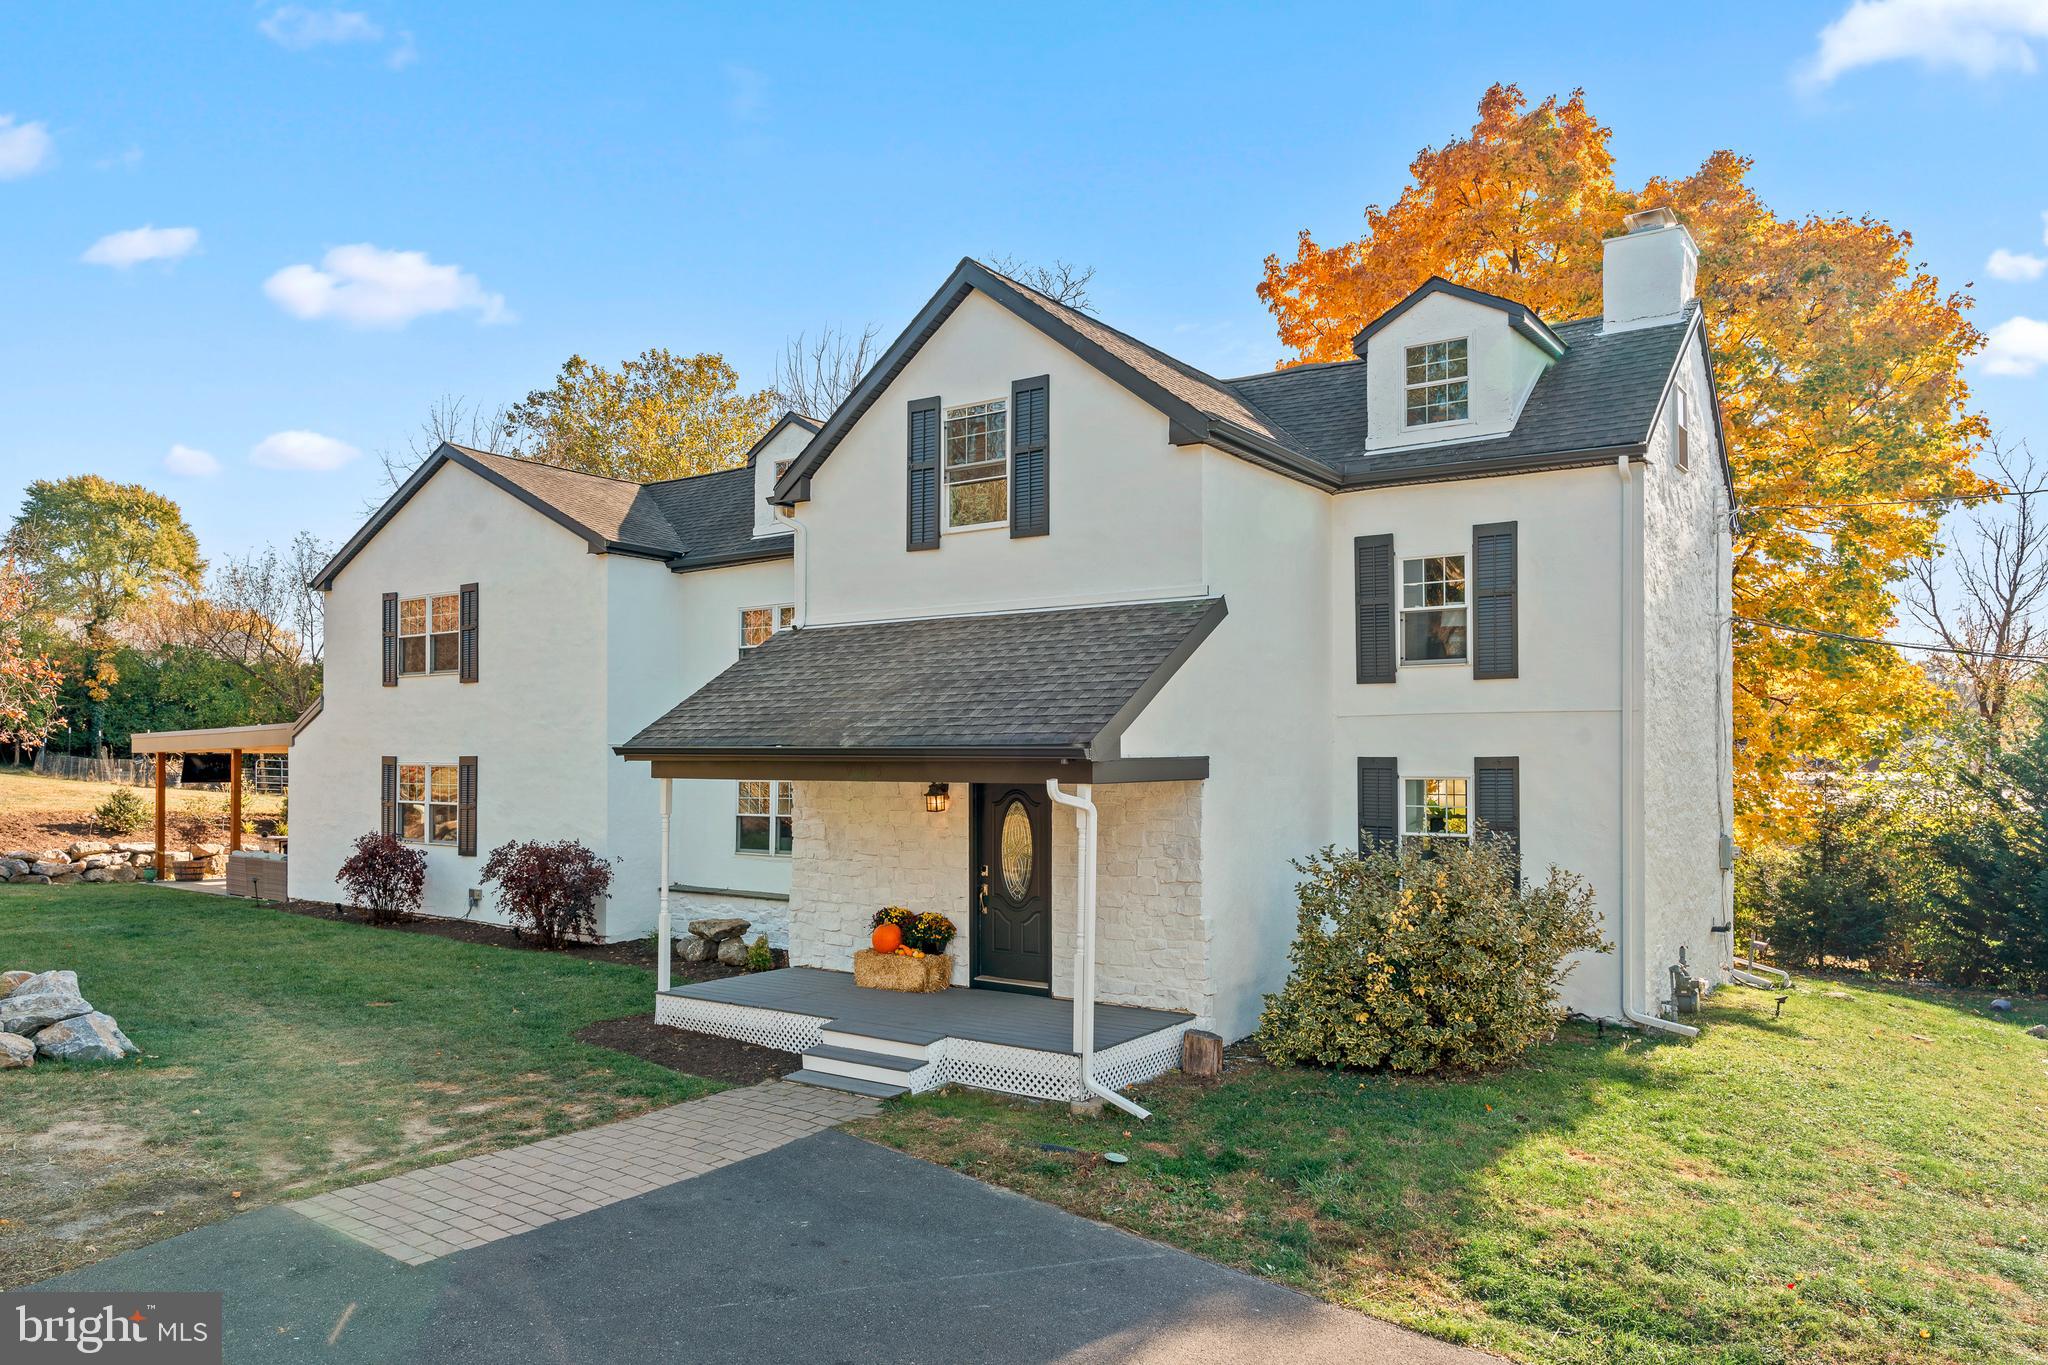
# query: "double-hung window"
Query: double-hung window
1433,609
976,449
428,796
1438,383
1434,808
430,634
767,818
758,623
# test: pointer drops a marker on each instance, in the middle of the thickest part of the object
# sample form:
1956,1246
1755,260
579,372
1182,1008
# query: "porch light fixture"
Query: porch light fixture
936,798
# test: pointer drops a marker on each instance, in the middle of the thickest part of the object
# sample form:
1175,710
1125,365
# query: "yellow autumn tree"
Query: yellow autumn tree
657,416
1839,361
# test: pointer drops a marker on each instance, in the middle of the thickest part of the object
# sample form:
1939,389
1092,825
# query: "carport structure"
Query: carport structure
233,740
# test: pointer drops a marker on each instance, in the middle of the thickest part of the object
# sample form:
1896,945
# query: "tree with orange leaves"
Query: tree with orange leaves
1839,363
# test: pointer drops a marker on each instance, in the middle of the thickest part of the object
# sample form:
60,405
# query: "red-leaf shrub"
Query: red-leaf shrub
549,891
383,878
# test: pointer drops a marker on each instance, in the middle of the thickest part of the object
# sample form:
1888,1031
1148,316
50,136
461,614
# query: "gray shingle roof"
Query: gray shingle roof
1041,682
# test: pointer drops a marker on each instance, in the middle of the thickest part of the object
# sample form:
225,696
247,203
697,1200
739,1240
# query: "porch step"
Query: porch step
918,1050
879,1068
853,1085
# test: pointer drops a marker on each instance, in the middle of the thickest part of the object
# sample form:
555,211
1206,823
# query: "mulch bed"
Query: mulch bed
698,1054
632,952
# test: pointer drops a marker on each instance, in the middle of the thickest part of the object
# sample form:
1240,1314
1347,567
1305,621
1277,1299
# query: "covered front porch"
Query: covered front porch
971,767
893,1042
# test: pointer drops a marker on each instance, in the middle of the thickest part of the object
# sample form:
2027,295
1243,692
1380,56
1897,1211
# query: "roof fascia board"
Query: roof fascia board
792,418
1481,469
779,548
1520,316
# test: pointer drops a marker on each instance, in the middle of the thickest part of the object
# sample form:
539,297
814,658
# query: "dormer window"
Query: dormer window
1437,383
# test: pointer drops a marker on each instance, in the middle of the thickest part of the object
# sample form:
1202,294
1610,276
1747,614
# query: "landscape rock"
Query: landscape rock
11,866
33,879
209,850
9,980
132,848
694,948
93,1037
124,872
93,860
718,930
64,879
50,867
2038,1031
93,874
2002,1005
87,847
40,1001
732,952
16,1051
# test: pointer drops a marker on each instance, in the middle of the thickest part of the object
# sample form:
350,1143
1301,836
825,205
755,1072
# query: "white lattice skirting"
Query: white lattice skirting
953,1061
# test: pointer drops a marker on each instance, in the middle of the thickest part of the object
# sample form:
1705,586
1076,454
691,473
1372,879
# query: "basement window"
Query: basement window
1438,383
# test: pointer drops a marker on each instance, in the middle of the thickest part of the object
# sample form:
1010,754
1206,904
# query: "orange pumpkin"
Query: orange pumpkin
888,938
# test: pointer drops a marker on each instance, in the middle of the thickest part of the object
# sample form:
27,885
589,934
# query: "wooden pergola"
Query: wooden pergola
233,740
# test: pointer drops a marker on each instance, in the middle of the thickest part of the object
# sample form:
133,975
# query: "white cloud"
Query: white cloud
405,54
301,450
2017,346
370,287
24,148
297,28
2016,266
1980,37
194,464
123,249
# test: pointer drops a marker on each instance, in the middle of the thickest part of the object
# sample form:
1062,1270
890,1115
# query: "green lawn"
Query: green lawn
1864,1179
282,1055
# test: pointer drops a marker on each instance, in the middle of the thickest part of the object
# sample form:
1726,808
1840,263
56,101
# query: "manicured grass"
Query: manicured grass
1863,1179
283,1055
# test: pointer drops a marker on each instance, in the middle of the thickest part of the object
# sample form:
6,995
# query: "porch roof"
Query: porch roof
1033,693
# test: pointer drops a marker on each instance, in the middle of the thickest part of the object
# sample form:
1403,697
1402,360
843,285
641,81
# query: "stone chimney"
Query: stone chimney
1647,273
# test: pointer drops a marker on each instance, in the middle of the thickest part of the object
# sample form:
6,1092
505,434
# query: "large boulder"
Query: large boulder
40,1001
122,872
693,948
85,848
718,930
732,952
51,867
16,1051
93,1037
9,980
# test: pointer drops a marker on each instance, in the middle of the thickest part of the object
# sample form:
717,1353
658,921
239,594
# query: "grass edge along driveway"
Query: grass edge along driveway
283,1055
1863,1179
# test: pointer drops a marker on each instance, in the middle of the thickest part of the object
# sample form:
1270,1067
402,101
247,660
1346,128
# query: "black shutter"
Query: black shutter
391,639
1379,803
1030,458
465,806
1494,578
468,641
1497,802
1374,556
389,821
922,500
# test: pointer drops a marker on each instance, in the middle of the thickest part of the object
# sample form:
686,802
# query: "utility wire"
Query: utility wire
1889,502
1895,644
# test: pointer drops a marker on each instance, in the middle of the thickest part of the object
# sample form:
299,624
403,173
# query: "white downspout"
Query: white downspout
1625,825
799,533
662,927
1085,823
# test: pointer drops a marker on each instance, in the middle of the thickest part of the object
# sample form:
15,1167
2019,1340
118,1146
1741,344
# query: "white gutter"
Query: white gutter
1085,823
665,946
1626,824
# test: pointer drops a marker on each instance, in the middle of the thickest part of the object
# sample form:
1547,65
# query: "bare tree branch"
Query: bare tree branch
260,615
1062,281
451,419
814,377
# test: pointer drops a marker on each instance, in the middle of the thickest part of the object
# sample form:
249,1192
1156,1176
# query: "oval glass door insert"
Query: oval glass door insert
1017,851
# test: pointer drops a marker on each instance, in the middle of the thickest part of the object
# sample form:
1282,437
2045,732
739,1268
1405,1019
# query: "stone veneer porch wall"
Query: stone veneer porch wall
863,845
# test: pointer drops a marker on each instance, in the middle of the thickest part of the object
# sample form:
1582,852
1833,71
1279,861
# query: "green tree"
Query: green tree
1994,925
94,552
658,416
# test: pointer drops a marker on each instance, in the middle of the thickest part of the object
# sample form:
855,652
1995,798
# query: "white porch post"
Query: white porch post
1087,835
665,947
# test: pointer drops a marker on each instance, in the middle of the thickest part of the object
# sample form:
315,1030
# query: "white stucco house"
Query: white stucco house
1059,636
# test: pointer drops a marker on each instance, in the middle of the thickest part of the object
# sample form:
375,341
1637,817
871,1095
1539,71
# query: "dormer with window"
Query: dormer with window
769,458
1450,364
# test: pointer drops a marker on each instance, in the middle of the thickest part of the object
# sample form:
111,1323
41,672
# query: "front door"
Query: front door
1012,850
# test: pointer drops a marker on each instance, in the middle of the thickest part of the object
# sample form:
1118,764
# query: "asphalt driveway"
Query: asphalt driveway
828,1249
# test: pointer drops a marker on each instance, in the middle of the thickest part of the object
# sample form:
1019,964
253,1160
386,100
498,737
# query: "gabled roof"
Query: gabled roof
1059,685
1520,317
792,418
1597,398
699,521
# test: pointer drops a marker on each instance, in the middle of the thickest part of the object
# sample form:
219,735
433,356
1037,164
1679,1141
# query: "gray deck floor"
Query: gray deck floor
1004,1017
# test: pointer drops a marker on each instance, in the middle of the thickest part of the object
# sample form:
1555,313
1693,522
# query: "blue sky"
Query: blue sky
601,179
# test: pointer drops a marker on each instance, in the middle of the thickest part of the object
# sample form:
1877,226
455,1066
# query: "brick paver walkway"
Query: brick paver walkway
426,1214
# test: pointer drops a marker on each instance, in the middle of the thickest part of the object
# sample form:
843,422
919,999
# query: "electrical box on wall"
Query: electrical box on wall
1727,853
